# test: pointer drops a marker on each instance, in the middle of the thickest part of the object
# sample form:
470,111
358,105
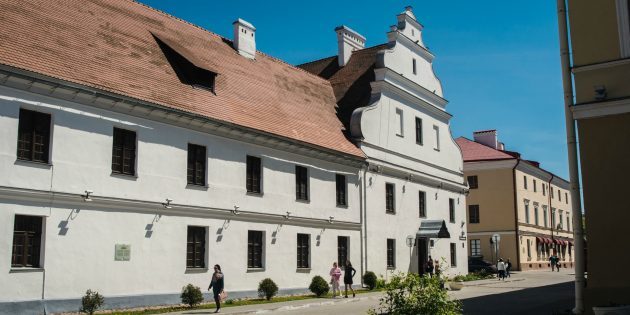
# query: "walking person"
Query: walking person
217,286
347,278
508,268
429,269
553,260
501,269
335,274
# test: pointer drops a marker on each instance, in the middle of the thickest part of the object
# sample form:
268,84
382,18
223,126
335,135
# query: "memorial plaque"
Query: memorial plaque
122,252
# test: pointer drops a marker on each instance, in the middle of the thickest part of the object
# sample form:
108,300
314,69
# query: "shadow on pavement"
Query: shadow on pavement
551,299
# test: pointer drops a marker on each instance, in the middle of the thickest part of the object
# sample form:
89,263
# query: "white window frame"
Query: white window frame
623,25
400,121
436,132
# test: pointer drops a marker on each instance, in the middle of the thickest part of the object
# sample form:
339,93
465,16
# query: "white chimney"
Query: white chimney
488,138
347,41
245,38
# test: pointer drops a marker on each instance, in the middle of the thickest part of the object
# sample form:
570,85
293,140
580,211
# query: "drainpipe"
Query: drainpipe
516,236
551,211
363,208
578,232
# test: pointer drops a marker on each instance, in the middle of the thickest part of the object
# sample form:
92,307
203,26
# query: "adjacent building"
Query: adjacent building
139,150
600,40
526,206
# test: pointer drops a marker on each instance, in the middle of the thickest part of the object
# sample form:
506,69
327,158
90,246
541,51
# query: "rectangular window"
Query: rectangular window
475,247
473,182
391,253
196,164
561,220
536,216
301,183
27,238
255,249
544,189
473,213
303,250
526,213
451,210
399,121
436,132
418,130
525,182
342,199
529,249
342,250
568,222
551,192
124,152
390,206
566,198
253,176
196,249
559,195
33,136
453,255
422,202
534,185
553,218
545,216
414,65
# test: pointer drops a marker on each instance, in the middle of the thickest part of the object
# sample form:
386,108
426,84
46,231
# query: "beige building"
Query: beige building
600,41
527,206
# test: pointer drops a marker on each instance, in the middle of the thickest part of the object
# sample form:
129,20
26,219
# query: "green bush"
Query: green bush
191,295
413,294
369,278
267,289
319,286
91,302
380,283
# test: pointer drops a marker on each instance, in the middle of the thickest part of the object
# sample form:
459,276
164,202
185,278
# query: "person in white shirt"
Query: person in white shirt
501,268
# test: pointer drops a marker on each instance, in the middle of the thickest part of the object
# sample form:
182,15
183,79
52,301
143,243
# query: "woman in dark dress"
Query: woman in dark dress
217,286
347,277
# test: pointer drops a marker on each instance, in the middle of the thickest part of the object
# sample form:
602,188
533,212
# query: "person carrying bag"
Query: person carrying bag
216,284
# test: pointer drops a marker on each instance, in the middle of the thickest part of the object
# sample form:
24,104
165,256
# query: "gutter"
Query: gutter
550,211
516,236
576,204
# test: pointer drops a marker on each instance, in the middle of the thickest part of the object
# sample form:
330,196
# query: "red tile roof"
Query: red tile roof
473,151
108,45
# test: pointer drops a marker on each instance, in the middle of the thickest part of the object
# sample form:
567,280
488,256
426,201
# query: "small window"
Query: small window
342,250
390,206
534,185
303,250
545,216
124,152
301,183
559,195
453,255
253,176
568,222
391,253
340,181
544,189
473,213
422,202
255,248
196,164
527,213
196,247
566,198
436,131
399,121
525,182
553,218
473,182
414,66
536,216
418,131
187,72
475,247
551,192
561,220
451,210
27,238
33,136
529,248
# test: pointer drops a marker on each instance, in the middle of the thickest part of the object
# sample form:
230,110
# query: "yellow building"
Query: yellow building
527,206
600,41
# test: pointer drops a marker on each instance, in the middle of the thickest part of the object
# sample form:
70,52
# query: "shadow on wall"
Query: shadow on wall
63,224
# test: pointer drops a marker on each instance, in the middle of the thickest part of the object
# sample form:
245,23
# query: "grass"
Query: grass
228,303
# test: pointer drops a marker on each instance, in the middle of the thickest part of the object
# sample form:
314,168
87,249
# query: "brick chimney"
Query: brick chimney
488,138
347,41
245,38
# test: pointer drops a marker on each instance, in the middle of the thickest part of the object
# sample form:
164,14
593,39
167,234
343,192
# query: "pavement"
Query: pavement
528,292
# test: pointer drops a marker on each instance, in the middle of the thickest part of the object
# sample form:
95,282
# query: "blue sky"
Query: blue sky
498,60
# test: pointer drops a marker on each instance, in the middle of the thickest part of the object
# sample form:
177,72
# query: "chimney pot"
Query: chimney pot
348,41
245,38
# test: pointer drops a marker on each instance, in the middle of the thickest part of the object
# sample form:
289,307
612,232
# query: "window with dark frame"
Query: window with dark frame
414,65
534,181
389,198
301,183
524,182
342,250
418,130
544,188
566,198
341,197
196,247
475,247
33,136
453,255
422,203
254,249
124,152
303,250
254,175
196,164
559,195
27,237
451,210
551,192
473,182
391,253
473,213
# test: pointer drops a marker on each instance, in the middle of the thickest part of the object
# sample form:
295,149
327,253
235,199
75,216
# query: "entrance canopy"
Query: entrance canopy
433,229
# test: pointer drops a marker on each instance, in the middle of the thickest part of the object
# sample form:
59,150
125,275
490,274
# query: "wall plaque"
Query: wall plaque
122,252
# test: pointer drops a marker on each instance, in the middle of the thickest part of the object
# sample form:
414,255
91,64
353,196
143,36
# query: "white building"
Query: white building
138,150
392,103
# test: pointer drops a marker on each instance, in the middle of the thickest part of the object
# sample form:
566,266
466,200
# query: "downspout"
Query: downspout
550,211
576,204
516,236
363,214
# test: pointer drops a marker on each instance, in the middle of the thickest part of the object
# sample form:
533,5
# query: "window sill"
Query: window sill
342,206
390,212
303,270
197,187
420,143
42,165
124,176
25,269
399,135
303,200
436,149
196,270
255,270
391,268
254,194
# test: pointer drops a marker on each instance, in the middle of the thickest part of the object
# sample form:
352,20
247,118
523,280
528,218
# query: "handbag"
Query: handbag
223,295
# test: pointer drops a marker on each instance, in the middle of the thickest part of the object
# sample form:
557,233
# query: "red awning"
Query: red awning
548,241
571,243
539,240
